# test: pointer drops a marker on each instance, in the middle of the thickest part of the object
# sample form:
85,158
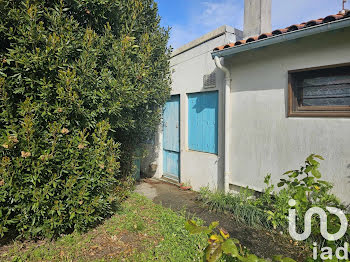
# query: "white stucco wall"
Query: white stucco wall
263,139
188,68
196,168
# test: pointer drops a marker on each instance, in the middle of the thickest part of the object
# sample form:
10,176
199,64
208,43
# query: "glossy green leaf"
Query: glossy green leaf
319,157
213,225
213,253
316,173
308,169
193,228
229,247
280,184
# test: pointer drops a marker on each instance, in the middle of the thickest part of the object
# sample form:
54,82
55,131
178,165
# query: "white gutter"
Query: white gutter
227,122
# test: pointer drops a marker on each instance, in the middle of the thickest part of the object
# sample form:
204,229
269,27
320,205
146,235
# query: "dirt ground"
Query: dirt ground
261,242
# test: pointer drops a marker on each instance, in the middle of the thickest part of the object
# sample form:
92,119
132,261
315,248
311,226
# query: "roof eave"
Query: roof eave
283,38
205,38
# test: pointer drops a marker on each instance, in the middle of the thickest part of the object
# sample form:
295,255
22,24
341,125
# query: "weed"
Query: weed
241,205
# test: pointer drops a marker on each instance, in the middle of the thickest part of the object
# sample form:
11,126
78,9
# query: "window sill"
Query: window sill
196,151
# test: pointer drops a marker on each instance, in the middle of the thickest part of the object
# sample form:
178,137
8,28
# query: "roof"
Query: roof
293,28
225,29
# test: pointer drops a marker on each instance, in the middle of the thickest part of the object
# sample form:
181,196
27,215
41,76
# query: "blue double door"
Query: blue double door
171,138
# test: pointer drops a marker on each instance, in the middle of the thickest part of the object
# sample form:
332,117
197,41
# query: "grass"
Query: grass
140,231
237,204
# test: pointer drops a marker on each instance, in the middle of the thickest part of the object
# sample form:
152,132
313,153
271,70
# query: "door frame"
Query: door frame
178,179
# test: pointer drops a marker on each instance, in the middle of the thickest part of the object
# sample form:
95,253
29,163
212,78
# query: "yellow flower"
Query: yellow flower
81,146
224,233
102,166
214,239
25,154
5,146
13,139
64,131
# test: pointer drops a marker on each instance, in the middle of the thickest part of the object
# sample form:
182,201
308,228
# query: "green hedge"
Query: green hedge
82,83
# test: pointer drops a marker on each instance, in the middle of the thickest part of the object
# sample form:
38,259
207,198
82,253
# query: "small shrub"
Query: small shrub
306,187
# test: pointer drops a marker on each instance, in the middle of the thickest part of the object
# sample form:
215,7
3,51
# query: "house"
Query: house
259,105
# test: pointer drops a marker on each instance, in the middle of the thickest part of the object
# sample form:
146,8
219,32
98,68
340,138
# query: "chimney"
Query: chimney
257,17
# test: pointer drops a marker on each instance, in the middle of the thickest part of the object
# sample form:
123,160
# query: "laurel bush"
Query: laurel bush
82,83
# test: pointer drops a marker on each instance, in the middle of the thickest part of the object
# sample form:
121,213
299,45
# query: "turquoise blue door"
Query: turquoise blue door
171,138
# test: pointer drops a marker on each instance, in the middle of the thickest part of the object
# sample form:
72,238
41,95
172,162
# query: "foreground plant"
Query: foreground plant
306,187
221,246
271,208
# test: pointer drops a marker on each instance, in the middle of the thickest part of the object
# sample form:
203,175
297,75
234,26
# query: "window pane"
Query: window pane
323,87
331,95
327,102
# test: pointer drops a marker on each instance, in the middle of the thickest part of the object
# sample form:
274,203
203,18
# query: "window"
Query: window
320,92
203,122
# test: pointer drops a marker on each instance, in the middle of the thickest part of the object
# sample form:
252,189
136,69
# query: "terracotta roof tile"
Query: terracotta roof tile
332,18
314,22
229,45
220,47
252,39
279,31
296,27
263,36
311,23
241,42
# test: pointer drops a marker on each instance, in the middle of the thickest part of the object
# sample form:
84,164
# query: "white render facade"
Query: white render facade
263,138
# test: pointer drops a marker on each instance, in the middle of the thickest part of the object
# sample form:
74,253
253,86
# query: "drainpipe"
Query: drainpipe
227,122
